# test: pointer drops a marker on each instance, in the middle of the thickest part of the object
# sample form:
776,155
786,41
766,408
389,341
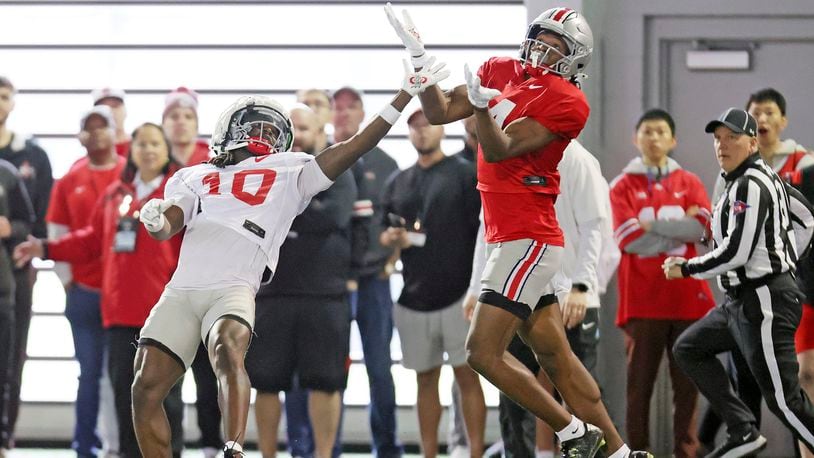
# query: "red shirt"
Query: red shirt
73,199
123,148
133,281
514,209
643,290
201,153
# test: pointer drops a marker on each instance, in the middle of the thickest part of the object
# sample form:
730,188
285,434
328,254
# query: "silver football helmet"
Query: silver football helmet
571,27
258,123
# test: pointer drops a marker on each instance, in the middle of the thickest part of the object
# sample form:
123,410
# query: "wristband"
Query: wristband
685,269
581,287
389,114
420,61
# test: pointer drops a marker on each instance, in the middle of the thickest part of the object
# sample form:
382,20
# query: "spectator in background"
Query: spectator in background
114,98
434,207
136,267
321,103
372,302
470,150
72,203
659,210
787,158
303,315
180,123
35,169
16,217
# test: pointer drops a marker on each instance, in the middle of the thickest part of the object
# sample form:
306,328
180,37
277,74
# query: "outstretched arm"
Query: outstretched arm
339,157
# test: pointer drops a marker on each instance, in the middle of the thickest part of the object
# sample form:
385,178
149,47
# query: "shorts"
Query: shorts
307,336
804,337
518,274
183,318
426,336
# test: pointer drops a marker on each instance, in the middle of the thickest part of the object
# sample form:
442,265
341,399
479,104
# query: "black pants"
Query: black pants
760,322
748,390
24,284
206,400
6,354
121,353
517,425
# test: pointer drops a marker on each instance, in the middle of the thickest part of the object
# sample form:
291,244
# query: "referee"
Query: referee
753,258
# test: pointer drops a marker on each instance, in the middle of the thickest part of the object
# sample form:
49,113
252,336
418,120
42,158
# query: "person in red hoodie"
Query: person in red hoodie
135,266
72,201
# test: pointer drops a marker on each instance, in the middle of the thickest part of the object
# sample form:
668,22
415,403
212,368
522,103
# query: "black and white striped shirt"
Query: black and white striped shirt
752,228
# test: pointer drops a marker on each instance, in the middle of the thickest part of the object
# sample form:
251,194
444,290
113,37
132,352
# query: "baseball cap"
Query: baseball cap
106,92
737,120
180,97
353,92
99,110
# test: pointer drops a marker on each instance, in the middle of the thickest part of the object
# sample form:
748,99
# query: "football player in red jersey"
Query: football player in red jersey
527,110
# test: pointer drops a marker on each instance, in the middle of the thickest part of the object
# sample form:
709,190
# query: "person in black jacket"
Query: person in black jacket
34,168
432,208
303,315
16,217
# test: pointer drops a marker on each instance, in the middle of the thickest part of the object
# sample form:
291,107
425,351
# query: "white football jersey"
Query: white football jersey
256,199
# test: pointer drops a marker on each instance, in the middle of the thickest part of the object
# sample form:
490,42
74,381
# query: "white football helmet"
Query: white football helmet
258,123
571,27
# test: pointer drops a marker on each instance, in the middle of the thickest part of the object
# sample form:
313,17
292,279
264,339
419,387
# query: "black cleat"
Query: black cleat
584,446
232,453
738,445
640,454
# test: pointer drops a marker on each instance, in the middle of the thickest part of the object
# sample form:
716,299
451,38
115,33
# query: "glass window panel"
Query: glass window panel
49,295
50,381
284,69
50,336
290,24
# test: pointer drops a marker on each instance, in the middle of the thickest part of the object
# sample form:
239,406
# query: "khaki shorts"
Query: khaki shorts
182,318
518,274
426,336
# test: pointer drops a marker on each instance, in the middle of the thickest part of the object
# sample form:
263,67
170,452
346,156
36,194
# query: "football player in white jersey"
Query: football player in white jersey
237,210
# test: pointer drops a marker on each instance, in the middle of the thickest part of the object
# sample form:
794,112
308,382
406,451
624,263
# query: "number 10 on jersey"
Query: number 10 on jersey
212,181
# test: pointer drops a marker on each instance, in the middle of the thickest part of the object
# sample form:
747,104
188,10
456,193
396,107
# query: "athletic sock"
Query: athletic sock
544,454
574,429
623,452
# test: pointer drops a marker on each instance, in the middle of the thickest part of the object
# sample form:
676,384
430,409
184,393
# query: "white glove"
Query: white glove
478,95
152,214
417,81
408,34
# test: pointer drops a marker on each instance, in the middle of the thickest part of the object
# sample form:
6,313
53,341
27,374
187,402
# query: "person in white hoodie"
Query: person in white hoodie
589,261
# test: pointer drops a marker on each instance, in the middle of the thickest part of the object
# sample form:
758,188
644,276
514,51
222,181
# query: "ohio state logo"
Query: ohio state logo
417,82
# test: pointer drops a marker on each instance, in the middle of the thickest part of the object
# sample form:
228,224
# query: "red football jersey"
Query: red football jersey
643,290
518,194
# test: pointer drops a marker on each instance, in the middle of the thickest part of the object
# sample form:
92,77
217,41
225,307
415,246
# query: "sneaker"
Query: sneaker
738,445
459,451
232,453
584,446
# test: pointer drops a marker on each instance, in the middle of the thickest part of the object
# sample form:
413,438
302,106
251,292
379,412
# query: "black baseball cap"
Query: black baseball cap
737,120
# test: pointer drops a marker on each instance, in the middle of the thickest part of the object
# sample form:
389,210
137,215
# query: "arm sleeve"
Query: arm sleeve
685,230
312,180
182,192
584,178
45,181
746,225
21,211
62,269
626,227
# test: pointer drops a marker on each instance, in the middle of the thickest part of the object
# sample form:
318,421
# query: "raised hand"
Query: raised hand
152,214
417,81
408,34
478,95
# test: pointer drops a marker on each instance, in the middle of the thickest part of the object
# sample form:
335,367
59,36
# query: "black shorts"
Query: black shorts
307,336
